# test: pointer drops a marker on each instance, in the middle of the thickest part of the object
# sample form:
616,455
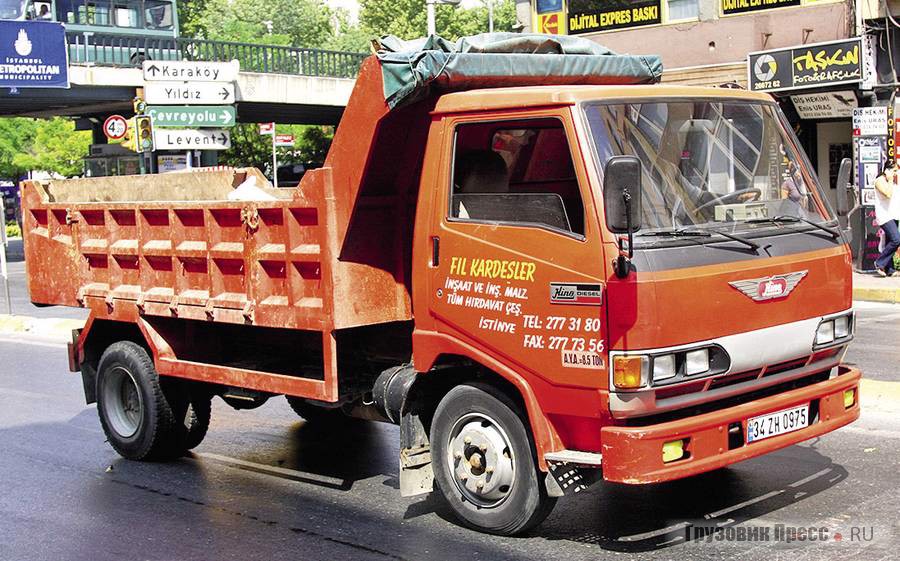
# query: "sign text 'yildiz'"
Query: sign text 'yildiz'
589,16
187,93
806,66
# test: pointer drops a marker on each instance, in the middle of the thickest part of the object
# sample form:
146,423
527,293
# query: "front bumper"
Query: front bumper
634,454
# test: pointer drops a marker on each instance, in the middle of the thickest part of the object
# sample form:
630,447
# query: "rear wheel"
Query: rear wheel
141,420
484,463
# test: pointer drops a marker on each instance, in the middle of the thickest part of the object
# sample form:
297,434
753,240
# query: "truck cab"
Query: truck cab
735,301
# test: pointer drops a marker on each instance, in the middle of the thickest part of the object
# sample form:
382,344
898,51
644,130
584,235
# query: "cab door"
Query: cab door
515,260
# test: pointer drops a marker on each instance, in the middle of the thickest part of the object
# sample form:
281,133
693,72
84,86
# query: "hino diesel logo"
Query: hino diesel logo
579,294
769,288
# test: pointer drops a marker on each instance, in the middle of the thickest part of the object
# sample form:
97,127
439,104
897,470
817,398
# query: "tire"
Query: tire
477,436
135,414
192,409
317,415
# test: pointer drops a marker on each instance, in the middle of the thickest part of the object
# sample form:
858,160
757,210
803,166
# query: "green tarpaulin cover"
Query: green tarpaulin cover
413,69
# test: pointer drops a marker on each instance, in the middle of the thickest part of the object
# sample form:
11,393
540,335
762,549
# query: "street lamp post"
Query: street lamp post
490,4
429,7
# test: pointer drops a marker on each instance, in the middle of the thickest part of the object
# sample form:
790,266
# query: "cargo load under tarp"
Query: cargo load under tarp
412,69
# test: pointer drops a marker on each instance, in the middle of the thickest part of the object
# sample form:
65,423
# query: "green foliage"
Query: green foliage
249,148
50,145
12,230
189,14
16,136
407,18
299,23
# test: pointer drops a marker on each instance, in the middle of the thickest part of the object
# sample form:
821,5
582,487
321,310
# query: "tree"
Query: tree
16,136
189,17
51,145
407,18
299,23
249,148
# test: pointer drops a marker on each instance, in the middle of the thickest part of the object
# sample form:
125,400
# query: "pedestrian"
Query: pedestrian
887,214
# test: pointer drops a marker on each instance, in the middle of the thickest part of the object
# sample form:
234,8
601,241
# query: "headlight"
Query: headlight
825,333
834,330
663,367
697,362
841,327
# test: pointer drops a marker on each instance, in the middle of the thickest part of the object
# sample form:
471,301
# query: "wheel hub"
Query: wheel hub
480,459
122,401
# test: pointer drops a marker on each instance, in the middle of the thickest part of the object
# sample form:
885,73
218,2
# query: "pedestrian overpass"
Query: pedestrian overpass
276,83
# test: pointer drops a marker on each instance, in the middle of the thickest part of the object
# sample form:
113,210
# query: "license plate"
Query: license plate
780,422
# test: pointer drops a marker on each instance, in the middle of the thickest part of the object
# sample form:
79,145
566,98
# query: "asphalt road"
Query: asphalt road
20,302
265,485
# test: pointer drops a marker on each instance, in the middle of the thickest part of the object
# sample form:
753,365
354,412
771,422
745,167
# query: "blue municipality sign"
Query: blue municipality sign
33,54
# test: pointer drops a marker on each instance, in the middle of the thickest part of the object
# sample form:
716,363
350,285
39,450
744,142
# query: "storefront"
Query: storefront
825,90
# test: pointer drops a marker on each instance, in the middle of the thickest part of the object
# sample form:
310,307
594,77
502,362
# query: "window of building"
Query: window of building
128,14
519,173
683,9
158,15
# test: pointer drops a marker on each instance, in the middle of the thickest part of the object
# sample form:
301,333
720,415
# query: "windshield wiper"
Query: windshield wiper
786,218
700,231
675,233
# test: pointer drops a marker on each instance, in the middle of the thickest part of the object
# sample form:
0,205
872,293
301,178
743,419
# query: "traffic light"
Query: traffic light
144,128
129,141
139,135
140,106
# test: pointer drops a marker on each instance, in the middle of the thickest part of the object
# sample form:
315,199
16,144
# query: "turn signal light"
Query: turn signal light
629,372
672,451
849,398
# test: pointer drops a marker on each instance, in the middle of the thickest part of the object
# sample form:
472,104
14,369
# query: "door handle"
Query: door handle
435,251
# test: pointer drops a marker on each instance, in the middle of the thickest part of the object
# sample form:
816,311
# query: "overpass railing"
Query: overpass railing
130,51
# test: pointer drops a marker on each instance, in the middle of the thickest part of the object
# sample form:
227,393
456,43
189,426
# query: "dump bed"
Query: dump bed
332,253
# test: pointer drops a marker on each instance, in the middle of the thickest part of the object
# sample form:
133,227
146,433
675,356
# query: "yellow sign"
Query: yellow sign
551,23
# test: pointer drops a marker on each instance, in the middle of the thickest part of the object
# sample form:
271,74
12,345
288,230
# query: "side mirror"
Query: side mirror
622,194
844,189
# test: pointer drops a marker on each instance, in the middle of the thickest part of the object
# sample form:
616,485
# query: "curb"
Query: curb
885,295
46,327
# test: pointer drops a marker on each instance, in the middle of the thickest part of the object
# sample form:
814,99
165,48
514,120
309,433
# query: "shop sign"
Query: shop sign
545,6
806,66
870,121
591,16
730,7
826,105
550,23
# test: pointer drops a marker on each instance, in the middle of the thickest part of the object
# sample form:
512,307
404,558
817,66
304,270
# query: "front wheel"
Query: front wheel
484,463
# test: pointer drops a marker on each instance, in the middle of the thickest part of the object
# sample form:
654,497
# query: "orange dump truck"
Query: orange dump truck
545,277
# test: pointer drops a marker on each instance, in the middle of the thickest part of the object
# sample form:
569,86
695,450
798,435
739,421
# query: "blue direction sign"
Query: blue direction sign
193,116
33,54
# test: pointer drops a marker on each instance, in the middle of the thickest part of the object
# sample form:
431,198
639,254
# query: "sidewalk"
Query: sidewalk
874,288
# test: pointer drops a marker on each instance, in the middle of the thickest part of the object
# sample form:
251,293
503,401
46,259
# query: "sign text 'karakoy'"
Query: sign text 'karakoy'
190,71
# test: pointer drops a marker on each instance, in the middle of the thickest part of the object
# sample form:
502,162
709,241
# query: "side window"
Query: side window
516,172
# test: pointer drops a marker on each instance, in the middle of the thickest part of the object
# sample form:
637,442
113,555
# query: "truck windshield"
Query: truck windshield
12,9
708,163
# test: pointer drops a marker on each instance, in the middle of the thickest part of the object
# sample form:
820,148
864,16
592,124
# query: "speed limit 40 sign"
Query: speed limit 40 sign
115,127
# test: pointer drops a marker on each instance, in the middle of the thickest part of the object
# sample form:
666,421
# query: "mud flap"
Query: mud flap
416,473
